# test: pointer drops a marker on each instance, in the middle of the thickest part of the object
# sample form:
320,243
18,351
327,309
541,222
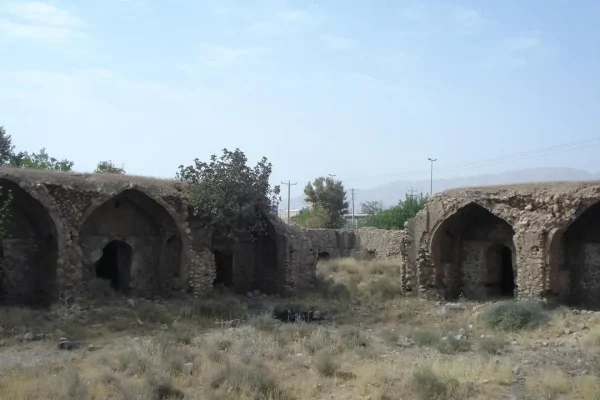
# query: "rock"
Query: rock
91,347
39,336
516,370
69,345
28,336
188,368
131,302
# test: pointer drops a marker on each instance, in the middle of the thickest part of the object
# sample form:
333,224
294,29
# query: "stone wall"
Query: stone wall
465,240
69,228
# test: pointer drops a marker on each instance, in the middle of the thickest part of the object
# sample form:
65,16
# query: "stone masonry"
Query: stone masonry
521,241
65,229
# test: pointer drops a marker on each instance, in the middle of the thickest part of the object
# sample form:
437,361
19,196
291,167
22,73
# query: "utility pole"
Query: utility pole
412,192
353,222
289,185
431,179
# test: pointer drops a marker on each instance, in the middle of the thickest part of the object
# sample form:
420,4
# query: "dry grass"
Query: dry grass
373,344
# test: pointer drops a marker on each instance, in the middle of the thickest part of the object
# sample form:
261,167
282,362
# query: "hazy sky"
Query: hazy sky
366,90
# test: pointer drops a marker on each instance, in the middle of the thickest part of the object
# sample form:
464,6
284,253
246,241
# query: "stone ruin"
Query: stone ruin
521,241
67,229
527,241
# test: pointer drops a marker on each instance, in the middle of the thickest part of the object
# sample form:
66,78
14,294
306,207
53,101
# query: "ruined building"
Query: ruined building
67,229
521,241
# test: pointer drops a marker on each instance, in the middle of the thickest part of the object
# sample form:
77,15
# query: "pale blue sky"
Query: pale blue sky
364,90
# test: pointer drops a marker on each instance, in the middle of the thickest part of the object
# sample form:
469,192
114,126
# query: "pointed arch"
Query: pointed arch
573,261
30,249
157,240
469,251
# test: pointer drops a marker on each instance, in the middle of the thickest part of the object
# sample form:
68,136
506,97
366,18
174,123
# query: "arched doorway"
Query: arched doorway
153,241
472,255
224,268
500,277
115,265
29,249
323,256
579,256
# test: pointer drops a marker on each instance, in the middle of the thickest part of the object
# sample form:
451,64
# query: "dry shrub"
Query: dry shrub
325,363
16,317
265,323
100,290
225,308
426,385
491,344
384,288
253,378
425,338
48,381
148,311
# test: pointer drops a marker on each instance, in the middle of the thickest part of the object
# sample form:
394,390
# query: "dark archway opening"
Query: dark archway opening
29,249
580,269
472,255
323,256
507,285
115,265
224,264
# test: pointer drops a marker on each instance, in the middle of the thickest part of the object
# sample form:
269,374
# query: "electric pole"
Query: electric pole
353,222
431,179
412,192
289,185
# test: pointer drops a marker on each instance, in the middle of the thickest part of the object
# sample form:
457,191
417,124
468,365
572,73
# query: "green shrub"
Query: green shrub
514,316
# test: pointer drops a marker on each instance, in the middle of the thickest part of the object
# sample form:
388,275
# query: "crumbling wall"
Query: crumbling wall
548,262
64,222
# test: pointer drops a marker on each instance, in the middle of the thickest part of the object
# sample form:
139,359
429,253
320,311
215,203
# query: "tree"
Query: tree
371,207
41,160
109,168
229,197
6,147
329,195
315,217
395,217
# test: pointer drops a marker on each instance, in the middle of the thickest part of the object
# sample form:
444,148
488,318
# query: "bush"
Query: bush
384,288
428,386
326,364
514,316
491,344
253,376
425,338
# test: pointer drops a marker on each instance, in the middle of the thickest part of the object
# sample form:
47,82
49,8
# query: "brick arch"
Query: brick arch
31,249
150,227
573,258
467,248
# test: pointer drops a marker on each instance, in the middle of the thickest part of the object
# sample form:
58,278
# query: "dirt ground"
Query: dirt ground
369,342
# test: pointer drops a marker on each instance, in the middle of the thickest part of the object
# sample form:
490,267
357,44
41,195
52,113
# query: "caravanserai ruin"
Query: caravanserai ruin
67,229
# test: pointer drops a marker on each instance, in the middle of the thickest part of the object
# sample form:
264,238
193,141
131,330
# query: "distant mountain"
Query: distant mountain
391,192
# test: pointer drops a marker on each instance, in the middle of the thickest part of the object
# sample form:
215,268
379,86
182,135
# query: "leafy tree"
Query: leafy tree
371,207
395,217
41,160
108,167
5,214
229,197
315,217
330,197
6,147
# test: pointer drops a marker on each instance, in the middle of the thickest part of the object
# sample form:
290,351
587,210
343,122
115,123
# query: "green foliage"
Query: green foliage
371,207
109,168
316,217
514,316
328,200
6,147
395,217
5,212
41,160
229,197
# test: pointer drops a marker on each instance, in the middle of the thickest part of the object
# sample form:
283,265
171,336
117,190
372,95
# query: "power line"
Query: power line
519,156
289,185
412,192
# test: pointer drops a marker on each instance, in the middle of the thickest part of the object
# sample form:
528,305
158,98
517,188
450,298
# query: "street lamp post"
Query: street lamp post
432,160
